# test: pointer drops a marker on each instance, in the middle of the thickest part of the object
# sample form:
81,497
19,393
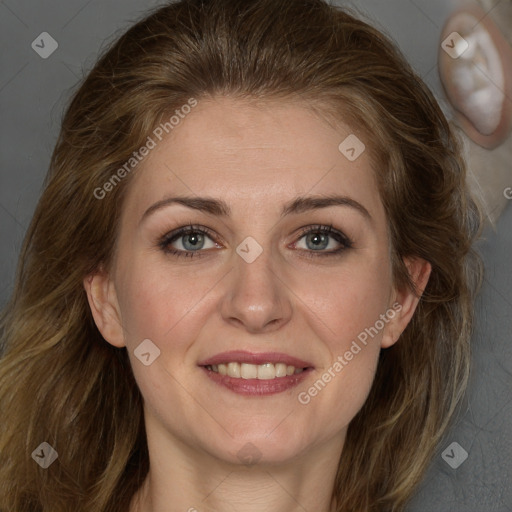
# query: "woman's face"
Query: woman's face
256,283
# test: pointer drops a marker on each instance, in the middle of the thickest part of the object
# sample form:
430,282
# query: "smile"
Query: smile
256,374
247,371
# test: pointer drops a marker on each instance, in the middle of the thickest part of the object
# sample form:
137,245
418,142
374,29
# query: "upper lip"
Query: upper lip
242,356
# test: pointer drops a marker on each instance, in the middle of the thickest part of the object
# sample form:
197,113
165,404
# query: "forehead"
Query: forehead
247,152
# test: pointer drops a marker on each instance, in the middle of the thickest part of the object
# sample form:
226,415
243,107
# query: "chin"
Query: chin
259,448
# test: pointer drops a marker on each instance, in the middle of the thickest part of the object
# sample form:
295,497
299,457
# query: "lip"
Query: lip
242,356
256,387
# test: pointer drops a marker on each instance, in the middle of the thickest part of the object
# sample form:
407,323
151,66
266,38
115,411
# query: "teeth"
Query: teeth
265,371
248,371
280,370
234,370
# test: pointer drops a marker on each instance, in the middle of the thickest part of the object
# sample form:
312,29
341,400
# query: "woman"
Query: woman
248,283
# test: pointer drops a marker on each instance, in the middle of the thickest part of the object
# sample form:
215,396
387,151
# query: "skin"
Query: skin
255,158
488,156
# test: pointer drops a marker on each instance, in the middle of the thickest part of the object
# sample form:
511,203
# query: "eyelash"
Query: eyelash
167,239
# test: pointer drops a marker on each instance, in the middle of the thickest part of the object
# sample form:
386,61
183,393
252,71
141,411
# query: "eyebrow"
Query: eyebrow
298,205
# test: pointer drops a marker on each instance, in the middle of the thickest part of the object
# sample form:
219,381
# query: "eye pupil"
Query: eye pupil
318,240
195,239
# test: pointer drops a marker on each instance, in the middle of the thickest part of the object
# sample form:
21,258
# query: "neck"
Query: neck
185,481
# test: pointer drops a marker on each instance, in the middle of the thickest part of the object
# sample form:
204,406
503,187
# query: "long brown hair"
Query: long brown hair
62,383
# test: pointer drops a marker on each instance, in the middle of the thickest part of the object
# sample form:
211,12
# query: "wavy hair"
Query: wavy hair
61,382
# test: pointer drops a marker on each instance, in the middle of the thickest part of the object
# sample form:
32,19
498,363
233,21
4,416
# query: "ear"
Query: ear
405,301
102,298
476,72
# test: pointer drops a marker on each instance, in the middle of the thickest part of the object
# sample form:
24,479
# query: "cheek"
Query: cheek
161,303
347,314
348,302
169,309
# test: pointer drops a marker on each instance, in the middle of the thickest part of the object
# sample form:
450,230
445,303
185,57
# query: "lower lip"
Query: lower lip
257,387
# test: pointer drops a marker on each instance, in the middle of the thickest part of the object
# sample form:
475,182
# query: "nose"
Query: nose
256,298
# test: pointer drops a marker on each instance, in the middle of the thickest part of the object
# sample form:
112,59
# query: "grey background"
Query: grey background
33,92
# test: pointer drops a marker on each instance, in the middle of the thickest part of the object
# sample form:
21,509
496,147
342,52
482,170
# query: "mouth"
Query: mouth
266,371
256,374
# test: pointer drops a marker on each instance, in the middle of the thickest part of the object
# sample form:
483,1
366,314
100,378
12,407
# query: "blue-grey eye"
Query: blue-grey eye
191,241
317,241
